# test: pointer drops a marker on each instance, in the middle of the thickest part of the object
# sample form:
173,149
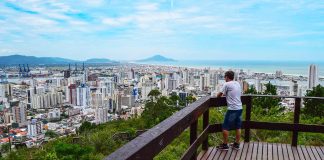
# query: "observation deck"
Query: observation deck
152,142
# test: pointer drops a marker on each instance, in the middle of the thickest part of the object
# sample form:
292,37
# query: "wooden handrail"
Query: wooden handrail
153,141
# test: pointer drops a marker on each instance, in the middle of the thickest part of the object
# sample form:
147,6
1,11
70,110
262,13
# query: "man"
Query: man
233,118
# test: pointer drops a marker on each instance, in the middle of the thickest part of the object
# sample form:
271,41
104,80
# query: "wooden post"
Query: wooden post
248,118
193,137
296,121
205,125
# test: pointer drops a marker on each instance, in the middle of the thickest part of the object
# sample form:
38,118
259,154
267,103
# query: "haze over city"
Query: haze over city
196,30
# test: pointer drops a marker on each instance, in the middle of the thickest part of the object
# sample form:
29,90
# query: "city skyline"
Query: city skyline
244,30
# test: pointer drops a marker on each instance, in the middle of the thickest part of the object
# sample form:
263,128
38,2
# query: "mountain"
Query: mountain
99,60
22,59
157,58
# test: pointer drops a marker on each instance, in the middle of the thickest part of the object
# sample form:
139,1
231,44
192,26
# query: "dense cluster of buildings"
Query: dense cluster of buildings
60,99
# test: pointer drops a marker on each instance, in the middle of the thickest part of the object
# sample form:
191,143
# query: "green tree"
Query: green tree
86,126
51,134
314,107
190,99
71,151
5,147
267,103
157,111
154,94
251,90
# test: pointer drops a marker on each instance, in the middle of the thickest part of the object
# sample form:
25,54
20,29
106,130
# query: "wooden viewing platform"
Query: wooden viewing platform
267,151
152,142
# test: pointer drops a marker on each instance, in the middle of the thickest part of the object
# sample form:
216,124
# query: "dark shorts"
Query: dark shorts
233,120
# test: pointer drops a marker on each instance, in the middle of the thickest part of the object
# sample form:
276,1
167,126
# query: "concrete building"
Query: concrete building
19,114
101,115
54,114
34,128
312,76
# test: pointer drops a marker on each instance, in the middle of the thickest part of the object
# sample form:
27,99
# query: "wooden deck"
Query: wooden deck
263,150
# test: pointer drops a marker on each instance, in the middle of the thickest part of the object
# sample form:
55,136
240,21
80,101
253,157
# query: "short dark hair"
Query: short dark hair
229,74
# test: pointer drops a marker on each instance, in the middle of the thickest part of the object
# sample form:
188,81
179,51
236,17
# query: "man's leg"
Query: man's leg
238,135
225,136
225,127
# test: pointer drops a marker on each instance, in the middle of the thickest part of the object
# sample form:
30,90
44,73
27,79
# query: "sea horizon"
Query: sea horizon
287,67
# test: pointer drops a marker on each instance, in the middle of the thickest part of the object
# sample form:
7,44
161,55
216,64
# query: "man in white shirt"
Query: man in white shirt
233,118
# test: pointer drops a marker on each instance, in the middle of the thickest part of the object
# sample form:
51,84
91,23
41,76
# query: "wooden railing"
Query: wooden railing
152,142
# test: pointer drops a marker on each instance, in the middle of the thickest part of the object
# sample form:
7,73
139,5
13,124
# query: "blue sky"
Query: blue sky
180,29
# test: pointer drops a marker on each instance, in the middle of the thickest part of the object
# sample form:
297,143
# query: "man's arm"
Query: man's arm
220,94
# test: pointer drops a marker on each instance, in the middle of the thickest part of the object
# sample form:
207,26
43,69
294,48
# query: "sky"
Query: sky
179,29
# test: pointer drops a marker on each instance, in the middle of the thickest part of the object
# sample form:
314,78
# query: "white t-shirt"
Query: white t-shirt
232,90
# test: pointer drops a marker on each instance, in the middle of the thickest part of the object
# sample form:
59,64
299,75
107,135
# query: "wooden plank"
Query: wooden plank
280,152
310,152
284,151
306,155
230,153
300,153
249,151
270,152
255,150
319,151
275,151
206,153
316,155
260,150
201,154
295,152
244,151
264,151
212,154
218,153
236,154
290,153
225,153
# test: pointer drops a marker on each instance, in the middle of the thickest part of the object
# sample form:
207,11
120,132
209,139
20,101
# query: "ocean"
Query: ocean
287,67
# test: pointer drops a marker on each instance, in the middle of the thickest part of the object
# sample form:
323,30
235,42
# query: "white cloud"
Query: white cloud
147,7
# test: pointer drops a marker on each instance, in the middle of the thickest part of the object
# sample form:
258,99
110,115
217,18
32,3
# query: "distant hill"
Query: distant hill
157,58
99,60
22,59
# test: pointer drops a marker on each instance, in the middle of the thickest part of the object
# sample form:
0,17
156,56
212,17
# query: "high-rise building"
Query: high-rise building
183,95
185,75
3,90
294,88
202,84
54,114
19,114
82,95
73,94
258,85
312,76
132,74
96,99
245,86
101,115
34,128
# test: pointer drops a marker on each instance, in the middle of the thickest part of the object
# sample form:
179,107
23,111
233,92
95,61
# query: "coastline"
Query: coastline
288,68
